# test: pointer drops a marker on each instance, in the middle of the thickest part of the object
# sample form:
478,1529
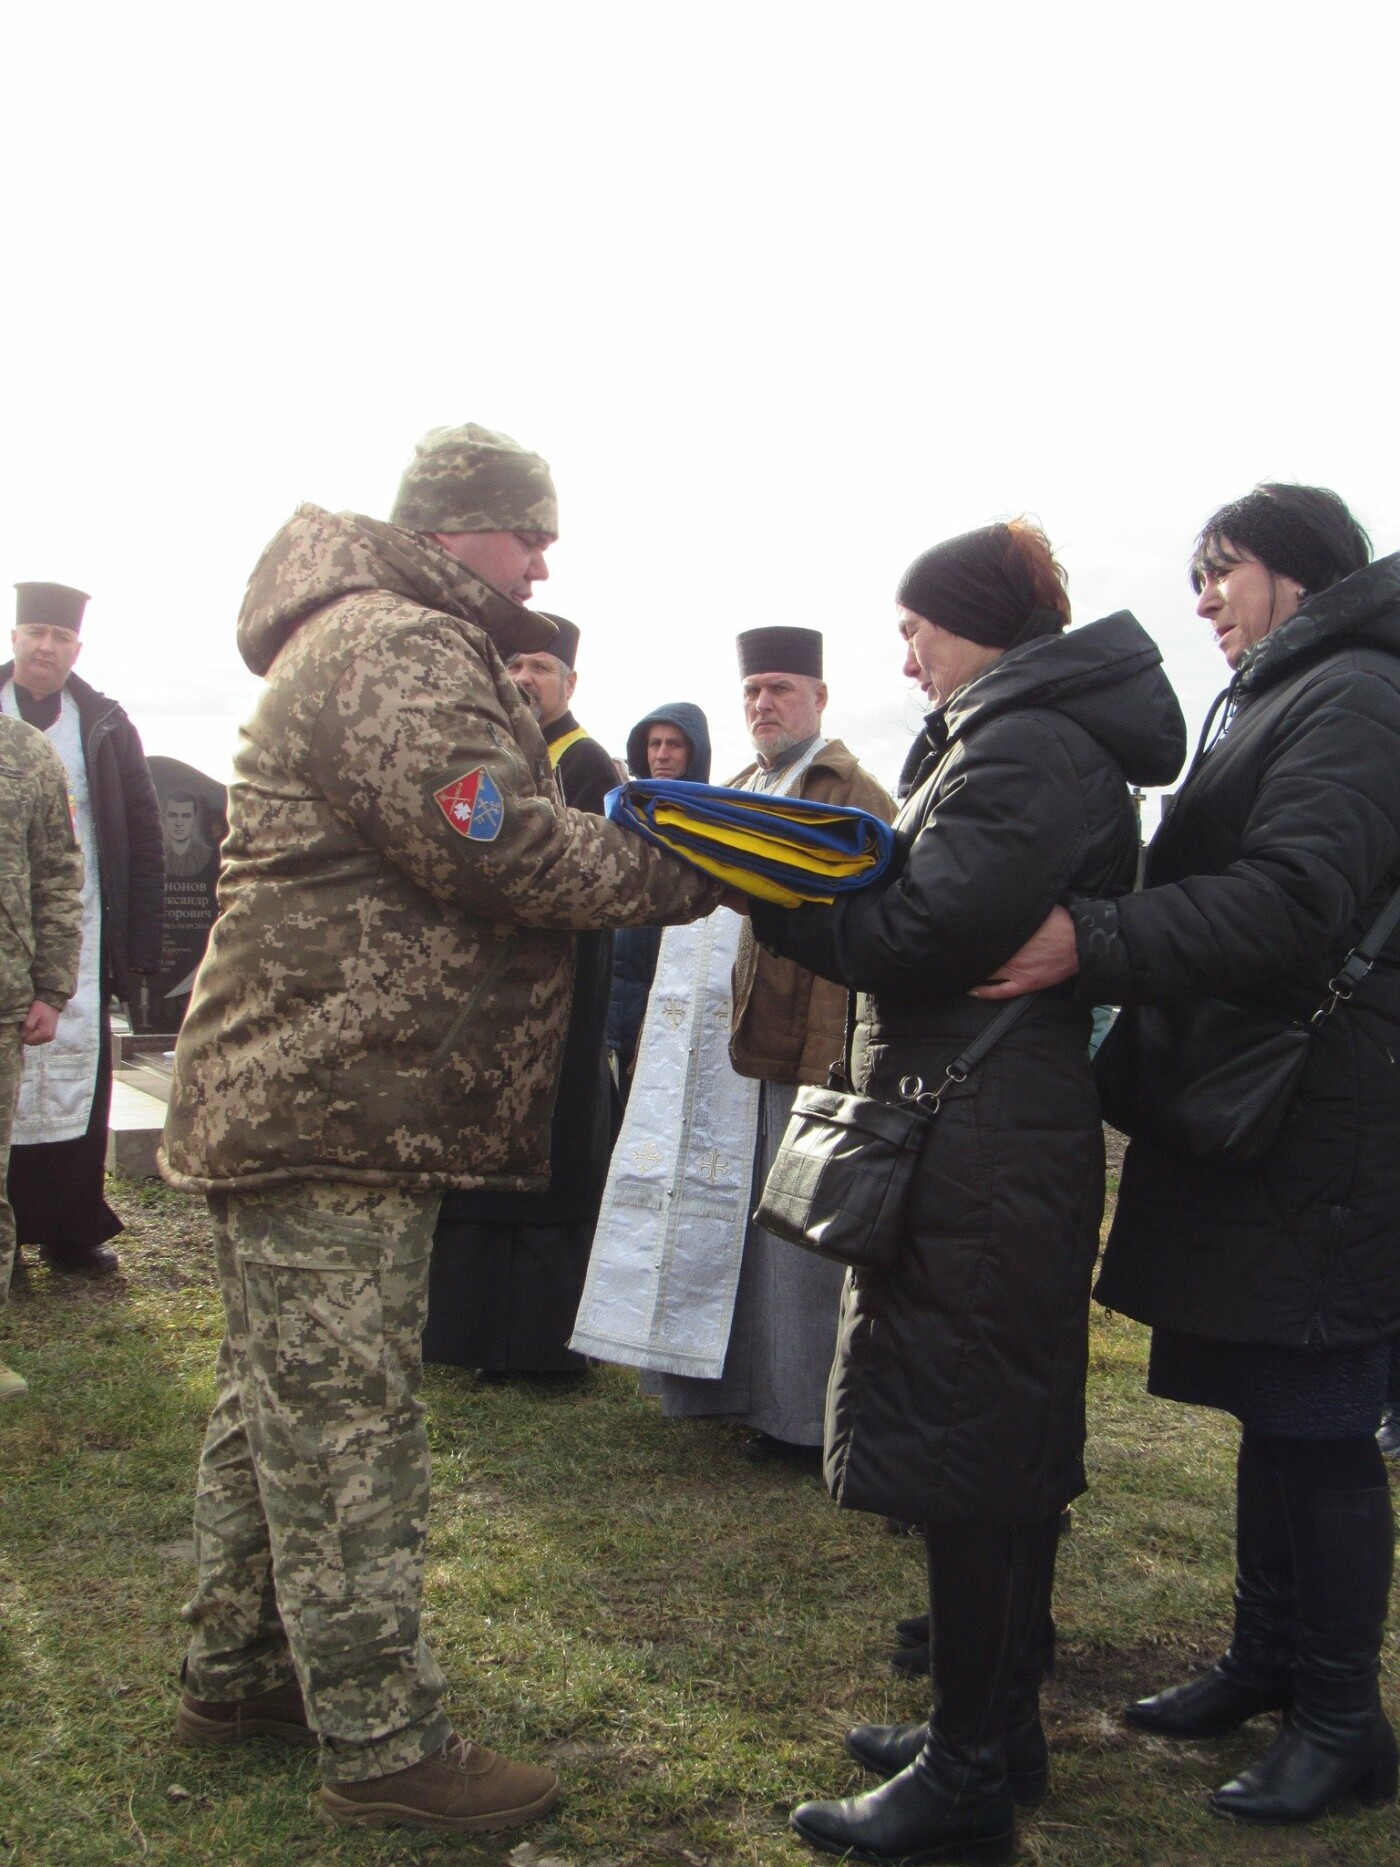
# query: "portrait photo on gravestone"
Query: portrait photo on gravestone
194,821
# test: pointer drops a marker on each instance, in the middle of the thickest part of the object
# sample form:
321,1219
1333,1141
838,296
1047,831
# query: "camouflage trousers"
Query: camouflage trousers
311,1510
11,1059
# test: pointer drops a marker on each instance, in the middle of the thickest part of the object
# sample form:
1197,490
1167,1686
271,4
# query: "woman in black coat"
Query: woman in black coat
1273,1289
957,1398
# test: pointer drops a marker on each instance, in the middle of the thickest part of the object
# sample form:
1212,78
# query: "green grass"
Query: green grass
686,1636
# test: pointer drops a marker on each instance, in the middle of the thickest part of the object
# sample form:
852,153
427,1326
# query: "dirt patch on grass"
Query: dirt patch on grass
1114,1676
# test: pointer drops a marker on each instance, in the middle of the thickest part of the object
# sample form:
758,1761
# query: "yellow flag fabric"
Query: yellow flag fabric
781,849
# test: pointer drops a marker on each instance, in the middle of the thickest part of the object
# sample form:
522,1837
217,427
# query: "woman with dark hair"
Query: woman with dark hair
957,1397
1273,1289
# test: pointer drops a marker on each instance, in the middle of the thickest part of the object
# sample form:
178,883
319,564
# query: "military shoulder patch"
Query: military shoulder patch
472,805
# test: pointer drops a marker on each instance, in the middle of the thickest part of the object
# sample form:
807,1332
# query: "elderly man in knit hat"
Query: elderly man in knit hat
730,1322
508,1267
379,1017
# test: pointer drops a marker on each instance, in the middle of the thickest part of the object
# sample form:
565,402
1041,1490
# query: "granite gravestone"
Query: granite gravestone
194,820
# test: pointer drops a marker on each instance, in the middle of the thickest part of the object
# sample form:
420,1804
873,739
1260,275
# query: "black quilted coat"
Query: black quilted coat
1282,846
958,1389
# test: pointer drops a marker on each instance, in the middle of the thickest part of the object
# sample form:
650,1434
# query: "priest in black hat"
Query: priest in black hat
507,1268
58,1159
547,679
728,1320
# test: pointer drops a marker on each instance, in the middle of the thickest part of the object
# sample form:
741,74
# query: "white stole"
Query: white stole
58,1080
669,1242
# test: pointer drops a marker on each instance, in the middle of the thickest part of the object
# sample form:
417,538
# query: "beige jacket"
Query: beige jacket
788,1024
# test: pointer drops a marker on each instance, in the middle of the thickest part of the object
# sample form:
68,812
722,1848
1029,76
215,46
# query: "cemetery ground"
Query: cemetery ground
685,1635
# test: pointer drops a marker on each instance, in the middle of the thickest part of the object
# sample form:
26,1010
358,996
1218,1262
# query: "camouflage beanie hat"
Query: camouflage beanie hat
474,480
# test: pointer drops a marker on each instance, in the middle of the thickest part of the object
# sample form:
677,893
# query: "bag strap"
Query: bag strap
911,1088
1381,928
962,1067
1361,958
839,1076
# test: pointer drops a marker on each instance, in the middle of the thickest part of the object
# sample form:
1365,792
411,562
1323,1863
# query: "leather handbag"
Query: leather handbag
1213,1077
840,1180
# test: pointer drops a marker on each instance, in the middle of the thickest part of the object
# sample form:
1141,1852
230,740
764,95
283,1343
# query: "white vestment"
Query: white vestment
58,1080
669,1243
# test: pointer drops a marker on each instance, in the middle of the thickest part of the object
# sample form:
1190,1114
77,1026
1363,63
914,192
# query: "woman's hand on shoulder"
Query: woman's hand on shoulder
1048,958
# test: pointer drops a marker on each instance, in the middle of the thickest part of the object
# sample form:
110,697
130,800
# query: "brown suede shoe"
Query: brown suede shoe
462,1788
278,1713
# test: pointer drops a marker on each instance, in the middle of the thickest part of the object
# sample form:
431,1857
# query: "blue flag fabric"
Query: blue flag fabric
789,850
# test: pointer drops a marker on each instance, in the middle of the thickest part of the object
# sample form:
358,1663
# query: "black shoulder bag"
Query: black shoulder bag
840,1180
1212,1077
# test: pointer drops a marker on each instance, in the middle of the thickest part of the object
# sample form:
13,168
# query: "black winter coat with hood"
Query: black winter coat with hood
635,949
1279,851
958,1389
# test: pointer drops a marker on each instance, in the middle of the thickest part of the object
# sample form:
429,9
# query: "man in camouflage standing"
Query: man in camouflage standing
379,1016
41,934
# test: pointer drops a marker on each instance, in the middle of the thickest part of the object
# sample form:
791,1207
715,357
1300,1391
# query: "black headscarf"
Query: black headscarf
977,586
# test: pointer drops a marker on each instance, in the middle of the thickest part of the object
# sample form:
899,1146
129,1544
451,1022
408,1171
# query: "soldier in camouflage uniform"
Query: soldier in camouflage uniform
380,1015
41,933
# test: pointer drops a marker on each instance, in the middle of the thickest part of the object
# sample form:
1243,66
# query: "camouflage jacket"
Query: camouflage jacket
386,989
41,875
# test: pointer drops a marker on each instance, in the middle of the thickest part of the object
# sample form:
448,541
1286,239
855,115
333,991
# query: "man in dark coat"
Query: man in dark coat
671,742
57,1168
507,1268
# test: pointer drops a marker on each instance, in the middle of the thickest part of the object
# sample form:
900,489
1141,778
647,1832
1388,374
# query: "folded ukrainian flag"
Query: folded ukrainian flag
782,849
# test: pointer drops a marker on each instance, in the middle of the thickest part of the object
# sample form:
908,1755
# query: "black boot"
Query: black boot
1336,1741
911,1662
1256,1673
886,1749
1027,1757
889,1748
910,1657
936,1809
953,1801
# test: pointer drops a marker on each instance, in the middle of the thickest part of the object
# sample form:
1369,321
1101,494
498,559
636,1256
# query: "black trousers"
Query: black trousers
504,1297
57,1188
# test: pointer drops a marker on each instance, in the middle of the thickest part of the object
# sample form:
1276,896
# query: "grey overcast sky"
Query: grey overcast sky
784,292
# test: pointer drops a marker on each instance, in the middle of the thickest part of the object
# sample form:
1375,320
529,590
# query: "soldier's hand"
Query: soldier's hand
39,1025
